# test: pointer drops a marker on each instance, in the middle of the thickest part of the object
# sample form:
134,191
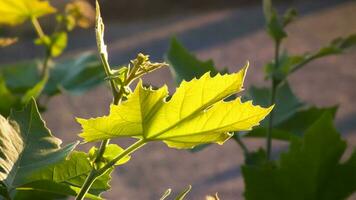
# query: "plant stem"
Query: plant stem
87,184
37,27
272,101
41,35
241,144
96,173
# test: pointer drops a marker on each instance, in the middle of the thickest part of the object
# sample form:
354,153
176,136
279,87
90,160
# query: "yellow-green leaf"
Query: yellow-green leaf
14,12
196,113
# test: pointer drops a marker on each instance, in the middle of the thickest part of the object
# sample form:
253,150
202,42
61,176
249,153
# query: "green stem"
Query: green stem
87,184
241,144
272,101
116,94
94,174
41,34
37,27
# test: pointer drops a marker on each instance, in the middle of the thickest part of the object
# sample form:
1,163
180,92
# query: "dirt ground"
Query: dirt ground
229,37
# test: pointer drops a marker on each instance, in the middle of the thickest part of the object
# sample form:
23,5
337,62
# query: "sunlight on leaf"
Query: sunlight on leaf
196,113
14,12
27,145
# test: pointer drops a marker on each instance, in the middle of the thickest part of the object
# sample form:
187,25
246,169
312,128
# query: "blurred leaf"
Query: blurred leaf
273,25
4,42
184,65
26,145
295,126
311,169
58,43
14,12
76,75
285,65
287,104
289,16
147,115
81,12
21,76
35,91
291,63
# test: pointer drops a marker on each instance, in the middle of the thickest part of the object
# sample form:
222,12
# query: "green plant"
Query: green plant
34,165
39,78
311,169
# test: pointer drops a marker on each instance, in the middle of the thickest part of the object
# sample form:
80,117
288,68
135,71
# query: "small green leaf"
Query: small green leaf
196,114
184,65
58,43
289,16
311,169
274,26
111,151
16,12
26,145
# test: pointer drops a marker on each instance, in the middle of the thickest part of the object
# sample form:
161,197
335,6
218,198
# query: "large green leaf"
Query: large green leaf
292,117
16,12
184,65
75,75
196,113
26,146
295,126
311,169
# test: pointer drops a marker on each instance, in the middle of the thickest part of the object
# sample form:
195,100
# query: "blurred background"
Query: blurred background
228,31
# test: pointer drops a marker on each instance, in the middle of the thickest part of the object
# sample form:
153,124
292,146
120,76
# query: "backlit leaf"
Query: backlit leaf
15,12
196,114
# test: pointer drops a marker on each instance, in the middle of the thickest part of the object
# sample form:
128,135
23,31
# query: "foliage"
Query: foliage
16,12
26,145
204,109
311,169
304,172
